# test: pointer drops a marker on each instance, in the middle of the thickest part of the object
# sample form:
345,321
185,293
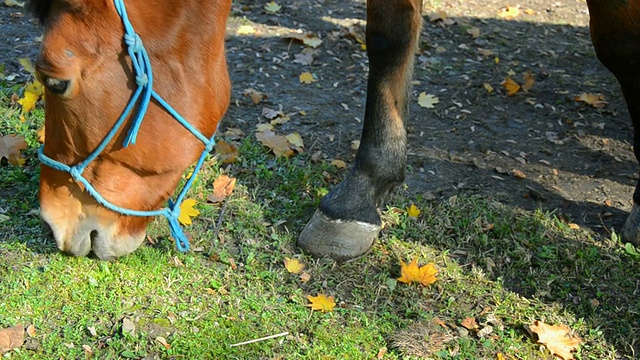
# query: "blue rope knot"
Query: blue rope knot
208,147
142,79
134,42
75,172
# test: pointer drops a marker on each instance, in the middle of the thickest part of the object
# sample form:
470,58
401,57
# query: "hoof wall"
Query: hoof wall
338,239
631,228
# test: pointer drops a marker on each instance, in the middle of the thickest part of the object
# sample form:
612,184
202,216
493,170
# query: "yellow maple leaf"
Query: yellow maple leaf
427,100
321,303
426,275
28,102
187,211
293,265
511,86
307,78
413,211
556,338
35,87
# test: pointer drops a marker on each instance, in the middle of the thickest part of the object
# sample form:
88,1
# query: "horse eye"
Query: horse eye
56,86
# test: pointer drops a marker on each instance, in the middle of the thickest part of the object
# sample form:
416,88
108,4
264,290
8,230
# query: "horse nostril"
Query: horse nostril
57,86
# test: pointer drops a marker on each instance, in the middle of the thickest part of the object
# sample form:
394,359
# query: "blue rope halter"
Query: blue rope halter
144,92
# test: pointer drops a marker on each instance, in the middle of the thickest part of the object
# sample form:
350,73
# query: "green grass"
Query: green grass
503,266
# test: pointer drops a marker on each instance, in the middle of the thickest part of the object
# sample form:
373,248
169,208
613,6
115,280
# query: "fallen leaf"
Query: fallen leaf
264,127
413,211
556,338
277,143
222,187
574,226
272,7
381,353
11,338
13,3
227,153
511,86
27,65
474,32
255,95
306,78
128,327
509,12
10,146
339,163
306,39
88,352
488,87
245,30
31,331
162,341
427,100
355,144
426,275
529,81
28,101
438,15
304,58
4,218
469,323
321,303
518,174
187,211
293,265
296,141
595,100
304,277
271,114
35,87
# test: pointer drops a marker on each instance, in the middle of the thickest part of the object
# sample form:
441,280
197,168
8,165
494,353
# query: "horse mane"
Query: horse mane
39,9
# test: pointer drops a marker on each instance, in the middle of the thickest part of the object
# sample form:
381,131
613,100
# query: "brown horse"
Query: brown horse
89,78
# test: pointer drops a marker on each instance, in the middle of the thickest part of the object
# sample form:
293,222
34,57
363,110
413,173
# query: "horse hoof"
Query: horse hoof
338,239
631,228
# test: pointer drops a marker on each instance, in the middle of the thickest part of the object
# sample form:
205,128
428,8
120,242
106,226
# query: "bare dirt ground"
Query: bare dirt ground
577,160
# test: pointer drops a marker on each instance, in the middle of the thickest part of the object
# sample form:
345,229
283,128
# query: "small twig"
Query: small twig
218,225
261,339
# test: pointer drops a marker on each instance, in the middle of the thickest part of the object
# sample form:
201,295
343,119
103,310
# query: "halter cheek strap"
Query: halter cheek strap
141,97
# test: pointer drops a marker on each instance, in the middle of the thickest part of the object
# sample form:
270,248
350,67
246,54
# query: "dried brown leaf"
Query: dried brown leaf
11,338
222,187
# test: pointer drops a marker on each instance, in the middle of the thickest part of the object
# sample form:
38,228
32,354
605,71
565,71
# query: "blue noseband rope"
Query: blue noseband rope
144,92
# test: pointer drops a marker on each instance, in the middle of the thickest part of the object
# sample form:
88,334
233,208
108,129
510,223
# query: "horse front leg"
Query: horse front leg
347,220
631,91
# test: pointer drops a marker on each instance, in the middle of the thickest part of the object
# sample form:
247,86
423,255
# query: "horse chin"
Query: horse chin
78,233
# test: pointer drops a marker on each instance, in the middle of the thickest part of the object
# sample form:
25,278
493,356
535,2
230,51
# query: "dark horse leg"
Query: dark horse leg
347,220
615,32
